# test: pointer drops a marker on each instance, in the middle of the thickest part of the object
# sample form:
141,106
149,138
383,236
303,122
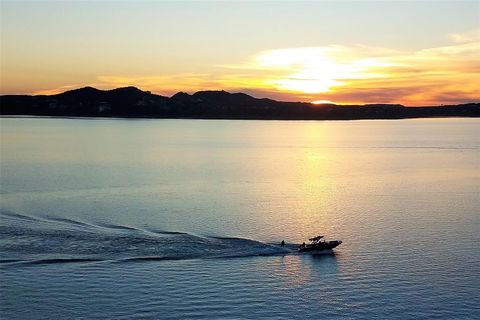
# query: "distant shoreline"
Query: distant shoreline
218,119
133,103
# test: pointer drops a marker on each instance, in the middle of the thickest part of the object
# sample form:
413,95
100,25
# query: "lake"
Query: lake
182,219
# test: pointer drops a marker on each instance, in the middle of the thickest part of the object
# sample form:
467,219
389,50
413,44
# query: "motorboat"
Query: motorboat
318,245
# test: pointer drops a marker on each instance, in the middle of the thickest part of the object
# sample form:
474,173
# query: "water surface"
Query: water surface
179,219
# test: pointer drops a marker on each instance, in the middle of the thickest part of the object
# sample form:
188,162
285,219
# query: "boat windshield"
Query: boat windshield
316,239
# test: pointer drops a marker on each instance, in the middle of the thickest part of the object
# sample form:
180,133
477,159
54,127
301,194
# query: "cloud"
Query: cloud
363,74
343,74
56,90
468,36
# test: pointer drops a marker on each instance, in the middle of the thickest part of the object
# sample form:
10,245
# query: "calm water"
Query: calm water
180,219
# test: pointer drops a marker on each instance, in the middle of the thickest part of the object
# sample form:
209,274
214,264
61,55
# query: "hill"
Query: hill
133,102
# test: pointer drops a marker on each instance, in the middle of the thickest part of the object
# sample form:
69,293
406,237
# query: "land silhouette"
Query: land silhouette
131,102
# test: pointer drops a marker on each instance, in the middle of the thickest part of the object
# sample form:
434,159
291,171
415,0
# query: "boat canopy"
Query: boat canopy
317,238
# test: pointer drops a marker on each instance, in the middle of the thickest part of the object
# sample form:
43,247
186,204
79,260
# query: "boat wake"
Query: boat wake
34,240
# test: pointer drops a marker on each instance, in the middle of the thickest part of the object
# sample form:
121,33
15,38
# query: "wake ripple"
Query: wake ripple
38,241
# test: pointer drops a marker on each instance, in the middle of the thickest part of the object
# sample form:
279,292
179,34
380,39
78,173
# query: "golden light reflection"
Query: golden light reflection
313,169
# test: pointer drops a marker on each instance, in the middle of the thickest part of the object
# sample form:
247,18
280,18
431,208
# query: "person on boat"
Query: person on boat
282,243
302,245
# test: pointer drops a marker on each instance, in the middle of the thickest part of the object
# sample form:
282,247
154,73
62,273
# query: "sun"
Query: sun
313,70
322,102
305,83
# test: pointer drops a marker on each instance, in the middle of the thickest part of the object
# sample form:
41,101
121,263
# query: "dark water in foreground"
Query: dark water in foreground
180,219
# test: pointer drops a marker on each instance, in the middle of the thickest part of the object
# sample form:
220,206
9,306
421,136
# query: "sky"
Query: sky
409,52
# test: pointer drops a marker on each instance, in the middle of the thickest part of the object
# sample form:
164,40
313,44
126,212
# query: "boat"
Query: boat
318,245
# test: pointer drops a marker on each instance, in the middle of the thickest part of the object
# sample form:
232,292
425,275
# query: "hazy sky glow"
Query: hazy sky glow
410,52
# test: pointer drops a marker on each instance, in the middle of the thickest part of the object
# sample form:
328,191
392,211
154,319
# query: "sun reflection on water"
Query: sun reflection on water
313,187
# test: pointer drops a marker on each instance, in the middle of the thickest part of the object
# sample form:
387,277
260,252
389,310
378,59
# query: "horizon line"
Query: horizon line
323,103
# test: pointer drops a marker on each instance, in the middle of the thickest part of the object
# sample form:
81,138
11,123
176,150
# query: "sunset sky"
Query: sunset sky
409,52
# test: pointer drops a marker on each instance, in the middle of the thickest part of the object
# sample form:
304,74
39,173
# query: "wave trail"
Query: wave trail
9,214
36,242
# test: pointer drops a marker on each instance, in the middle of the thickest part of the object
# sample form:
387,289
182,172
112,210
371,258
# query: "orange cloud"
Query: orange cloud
57,90
362,74
342,74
